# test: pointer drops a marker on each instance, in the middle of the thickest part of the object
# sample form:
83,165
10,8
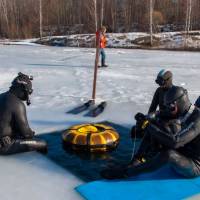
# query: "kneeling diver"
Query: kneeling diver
164,80
15,134
180,149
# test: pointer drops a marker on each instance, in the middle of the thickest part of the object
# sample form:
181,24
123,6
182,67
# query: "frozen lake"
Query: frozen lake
63,79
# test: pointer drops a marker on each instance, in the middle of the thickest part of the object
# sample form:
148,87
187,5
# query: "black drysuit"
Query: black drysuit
181,150
158,99
15,133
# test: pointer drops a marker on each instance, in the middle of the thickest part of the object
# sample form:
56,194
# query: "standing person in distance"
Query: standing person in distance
101,44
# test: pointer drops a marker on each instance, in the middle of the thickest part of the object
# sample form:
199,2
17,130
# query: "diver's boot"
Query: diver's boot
42,147
34,145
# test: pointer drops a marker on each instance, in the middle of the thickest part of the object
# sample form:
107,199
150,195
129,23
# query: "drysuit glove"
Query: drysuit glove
140,117
136,131
141,121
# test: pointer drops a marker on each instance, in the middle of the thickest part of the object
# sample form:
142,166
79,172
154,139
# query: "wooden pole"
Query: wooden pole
96,57
95,72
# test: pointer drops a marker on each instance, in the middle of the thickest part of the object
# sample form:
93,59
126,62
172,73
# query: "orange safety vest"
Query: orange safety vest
102,39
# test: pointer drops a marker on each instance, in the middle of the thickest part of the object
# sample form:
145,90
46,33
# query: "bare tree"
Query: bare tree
151,21
188,16
4,9
41,29
95,14
102,11
21,18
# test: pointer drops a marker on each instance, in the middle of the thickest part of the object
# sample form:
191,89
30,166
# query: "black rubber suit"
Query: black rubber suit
164,80
179,142
15,134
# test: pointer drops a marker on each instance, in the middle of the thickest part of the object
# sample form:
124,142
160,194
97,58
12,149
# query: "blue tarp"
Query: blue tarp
163,184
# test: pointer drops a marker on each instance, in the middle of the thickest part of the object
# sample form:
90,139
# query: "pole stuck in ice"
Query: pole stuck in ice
96,57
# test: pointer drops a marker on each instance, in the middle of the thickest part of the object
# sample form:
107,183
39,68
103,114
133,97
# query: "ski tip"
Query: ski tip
102,104
97,110
81,108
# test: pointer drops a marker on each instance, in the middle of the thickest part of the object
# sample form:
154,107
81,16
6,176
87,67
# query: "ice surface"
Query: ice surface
32,176
63,79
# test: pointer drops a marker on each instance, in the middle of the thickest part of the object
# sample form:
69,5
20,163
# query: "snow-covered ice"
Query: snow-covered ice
32,176
63,79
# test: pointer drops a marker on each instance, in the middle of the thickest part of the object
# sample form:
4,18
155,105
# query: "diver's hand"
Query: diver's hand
142,121
140,117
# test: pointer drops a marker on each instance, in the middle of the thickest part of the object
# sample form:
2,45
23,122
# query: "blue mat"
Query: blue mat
163,184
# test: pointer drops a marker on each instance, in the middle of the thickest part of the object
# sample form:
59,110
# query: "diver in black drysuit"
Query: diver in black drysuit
15,134
164,80
179,140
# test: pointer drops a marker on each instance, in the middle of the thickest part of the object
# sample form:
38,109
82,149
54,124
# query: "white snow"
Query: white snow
32,176
63,79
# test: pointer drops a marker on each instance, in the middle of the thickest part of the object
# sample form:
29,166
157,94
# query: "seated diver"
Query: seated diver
15,134
179,148
164,80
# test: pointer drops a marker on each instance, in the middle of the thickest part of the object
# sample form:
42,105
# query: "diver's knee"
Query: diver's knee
42,142
171,154
42,147
173,157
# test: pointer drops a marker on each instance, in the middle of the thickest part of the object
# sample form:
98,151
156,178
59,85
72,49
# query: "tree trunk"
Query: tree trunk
41,30
151,22
102,11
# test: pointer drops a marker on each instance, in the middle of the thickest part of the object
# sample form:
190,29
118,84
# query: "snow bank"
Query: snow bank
165,40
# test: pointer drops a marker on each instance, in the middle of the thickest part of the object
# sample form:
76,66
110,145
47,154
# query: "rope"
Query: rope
133,152
134,147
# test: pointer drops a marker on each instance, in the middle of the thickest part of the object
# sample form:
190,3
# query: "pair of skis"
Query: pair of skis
94,110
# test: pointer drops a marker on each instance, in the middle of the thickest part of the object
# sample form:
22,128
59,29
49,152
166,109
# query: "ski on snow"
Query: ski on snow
93,112
81,108
97,110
